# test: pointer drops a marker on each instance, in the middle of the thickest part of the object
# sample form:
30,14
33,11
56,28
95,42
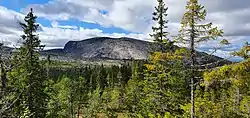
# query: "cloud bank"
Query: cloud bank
131,15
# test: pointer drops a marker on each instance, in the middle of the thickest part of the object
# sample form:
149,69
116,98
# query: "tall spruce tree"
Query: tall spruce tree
3,72
28,71
161,87
160,34
193,32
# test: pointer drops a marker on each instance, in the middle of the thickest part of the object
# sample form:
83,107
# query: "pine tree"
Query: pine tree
160,34
64,98
102,77
132,90
160,94
28,71
3,70
164,87
193,32
81,92
48,66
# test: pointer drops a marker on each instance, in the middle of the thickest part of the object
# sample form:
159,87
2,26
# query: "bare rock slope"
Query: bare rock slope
114,49
105,48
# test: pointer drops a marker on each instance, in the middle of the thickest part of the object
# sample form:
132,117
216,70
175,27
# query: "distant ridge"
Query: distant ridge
105,48
114,49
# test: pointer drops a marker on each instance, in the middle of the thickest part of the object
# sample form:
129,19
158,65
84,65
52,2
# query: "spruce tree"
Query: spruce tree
102,77
193,32
3,70
48,66
160,35
28,71
161,87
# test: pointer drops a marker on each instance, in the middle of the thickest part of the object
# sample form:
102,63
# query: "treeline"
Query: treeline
96,76
172,83
80,91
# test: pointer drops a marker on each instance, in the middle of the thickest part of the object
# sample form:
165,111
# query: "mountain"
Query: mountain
104,48
110,50
5,51
114,49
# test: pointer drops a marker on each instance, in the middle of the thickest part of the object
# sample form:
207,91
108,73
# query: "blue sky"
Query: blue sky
18,5
65,20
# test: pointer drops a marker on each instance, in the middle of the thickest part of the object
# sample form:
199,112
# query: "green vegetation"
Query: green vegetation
170,84
192,33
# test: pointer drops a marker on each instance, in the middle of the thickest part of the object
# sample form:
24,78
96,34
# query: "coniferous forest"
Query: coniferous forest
171,83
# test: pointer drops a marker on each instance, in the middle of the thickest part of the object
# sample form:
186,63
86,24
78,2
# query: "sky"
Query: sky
64,20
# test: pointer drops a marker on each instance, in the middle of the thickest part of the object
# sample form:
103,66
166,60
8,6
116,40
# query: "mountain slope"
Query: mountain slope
105,48
110,48
114,49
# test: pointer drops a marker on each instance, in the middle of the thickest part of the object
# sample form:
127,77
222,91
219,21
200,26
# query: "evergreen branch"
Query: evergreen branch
7,107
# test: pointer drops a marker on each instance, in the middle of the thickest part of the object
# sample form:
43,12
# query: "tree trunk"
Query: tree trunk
78,111
47,66
192,47
3,72
3,75
71,105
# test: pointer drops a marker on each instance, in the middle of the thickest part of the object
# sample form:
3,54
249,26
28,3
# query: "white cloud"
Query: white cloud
10,30
131,15
55,36
55,24
134,15
58,37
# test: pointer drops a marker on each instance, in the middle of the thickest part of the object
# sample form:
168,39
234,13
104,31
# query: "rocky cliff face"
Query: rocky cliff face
108,48
114,49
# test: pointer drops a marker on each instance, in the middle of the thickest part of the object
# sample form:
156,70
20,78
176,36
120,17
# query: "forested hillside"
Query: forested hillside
171,83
